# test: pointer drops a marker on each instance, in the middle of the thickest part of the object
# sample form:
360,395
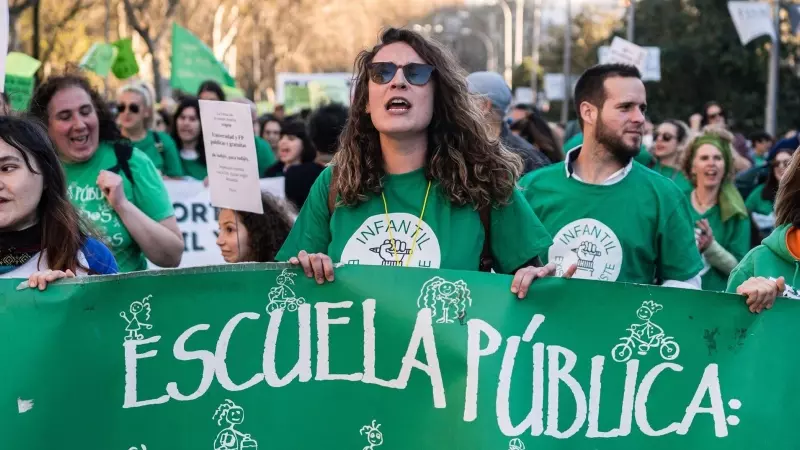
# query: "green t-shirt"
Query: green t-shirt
636,230
264,156
733,235
147,193
676,176
192,167
166,159
756,204
449,237
758,160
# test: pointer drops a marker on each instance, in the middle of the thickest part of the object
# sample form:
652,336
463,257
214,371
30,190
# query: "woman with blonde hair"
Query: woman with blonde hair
417,182
723,225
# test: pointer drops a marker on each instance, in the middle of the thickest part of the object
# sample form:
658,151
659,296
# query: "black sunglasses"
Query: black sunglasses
415,73
133,107
666,136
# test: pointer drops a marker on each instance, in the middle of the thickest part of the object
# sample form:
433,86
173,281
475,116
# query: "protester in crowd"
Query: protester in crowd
211,90
618,220
450,188
760,203
265,157
670,139
251,237
518,112
5,104
163,123
763,273
271,131
716,117
41,233
135,118
536,131
279,113
496,98
718,211
762,143
114,185
296,164
188,135
325,126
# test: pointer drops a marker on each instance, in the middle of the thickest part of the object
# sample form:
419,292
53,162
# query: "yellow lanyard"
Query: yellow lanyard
414,238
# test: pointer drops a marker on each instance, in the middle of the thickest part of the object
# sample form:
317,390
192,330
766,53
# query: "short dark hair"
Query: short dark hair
325,125
591,84
212,86
760,136
297,128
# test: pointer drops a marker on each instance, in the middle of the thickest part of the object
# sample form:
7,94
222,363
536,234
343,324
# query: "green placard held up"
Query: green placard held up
100,58
249,357
125,65
19,83
193,63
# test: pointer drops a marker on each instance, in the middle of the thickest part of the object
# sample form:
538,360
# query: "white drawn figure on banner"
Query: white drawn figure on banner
646,335
230,438
140,314
448,301
589,244
282,296
374,435
143,447
403,240
392,252
789,292
516,444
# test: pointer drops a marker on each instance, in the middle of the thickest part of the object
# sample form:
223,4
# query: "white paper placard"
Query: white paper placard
231,156
652,62
625,52
3,42
752,19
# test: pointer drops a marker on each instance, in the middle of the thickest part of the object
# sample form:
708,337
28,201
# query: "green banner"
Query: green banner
19,83
260,357
193,63
125,65
296,98
100,58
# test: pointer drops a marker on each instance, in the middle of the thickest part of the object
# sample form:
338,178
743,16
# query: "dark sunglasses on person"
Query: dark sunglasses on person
415,73
666,136
785,163
714,116
133,107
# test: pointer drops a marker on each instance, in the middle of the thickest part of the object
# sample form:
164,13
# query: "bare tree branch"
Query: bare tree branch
17,8
77,7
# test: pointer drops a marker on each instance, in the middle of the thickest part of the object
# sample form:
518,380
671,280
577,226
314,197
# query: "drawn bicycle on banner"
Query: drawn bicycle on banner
646,336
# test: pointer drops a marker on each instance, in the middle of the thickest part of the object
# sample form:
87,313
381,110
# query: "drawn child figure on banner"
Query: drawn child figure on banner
230,438
136,322
647,335
452,299
516,444
282,296
374,435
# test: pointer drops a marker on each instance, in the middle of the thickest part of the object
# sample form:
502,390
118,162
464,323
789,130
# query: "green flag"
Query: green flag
252,357
193,63
100,58
125,65
19,82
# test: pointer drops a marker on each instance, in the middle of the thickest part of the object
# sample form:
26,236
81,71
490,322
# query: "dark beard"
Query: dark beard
620,151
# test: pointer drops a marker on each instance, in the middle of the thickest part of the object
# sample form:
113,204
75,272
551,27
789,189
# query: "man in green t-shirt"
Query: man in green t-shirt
613,217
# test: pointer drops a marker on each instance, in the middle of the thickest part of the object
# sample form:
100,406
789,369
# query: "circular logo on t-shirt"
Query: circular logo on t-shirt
589,244
372,244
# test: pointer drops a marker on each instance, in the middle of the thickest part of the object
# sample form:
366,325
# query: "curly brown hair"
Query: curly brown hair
470,166
267,231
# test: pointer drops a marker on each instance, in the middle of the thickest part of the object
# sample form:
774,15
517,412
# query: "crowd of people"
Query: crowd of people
428,167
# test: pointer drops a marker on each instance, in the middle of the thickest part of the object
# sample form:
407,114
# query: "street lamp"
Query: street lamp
491,61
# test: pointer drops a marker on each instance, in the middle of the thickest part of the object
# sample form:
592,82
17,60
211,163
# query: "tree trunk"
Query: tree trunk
37,43
156,63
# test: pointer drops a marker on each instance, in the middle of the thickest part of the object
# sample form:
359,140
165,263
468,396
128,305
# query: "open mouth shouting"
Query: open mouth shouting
398,105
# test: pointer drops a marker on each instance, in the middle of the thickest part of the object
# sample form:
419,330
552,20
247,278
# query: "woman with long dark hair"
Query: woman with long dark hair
773,268
188,135
115,186
41,235
417,181
250,237
534,129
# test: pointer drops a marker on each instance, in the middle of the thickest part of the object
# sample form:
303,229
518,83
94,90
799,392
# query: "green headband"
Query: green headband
731,203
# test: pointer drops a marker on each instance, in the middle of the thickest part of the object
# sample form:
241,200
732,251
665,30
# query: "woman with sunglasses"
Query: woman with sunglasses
115,186
723,227
135,119
760,203
669,141
416,181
